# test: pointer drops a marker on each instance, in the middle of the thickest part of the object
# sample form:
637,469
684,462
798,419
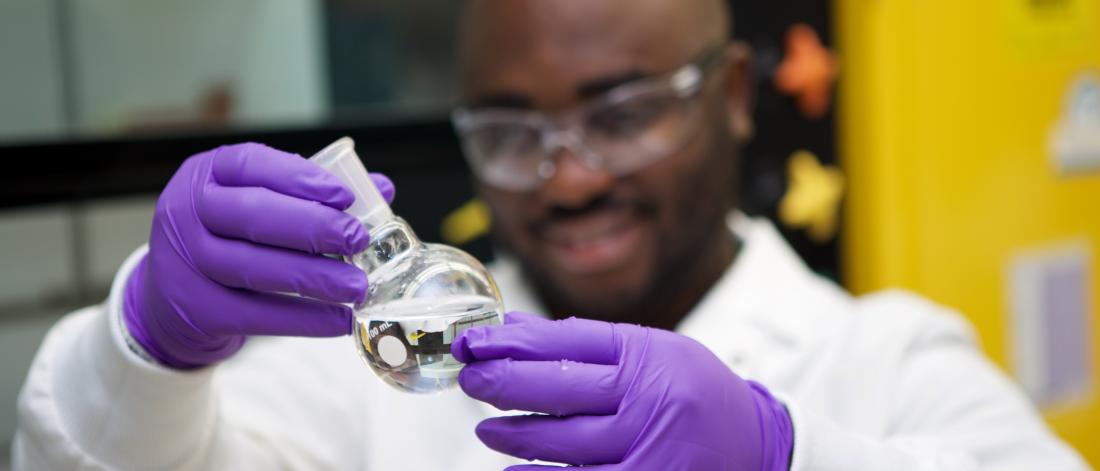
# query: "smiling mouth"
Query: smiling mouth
595,242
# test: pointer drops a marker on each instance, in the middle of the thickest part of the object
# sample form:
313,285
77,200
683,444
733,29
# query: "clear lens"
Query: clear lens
505,153
635,132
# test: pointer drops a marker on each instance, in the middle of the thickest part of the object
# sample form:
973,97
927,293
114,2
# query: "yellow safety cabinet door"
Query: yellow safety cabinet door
968,133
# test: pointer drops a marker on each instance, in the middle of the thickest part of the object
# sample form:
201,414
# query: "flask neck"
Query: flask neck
390,241
341,160
372,217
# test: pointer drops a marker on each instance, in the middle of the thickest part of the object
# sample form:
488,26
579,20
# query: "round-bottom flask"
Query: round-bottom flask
421,296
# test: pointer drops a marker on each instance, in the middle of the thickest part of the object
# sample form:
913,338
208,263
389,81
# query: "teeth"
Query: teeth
583,241
589,231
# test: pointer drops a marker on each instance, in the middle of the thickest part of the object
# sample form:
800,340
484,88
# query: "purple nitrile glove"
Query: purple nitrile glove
234,228
618,397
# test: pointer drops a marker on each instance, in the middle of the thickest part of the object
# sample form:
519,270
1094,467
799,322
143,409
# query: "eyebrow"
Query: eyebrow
504,100
584,91
601,85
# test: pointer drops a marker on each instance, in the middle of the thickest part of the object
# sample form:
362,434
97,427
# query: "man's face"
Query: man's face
595,244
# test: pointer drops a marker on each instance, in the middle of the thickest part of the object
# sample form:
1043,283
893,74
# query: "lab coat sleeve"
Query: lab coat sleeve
949,408
91,403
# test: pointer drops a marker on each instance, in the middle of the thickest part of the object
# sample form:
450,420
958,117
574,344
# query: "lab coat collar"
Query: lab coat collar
764,301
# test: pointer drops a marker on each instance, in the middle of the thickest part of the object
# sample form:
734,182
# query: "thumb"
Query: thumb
460,348
517,317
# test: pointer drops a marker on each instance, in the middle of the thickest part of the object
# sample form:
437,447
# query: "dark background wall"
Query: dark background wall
780,129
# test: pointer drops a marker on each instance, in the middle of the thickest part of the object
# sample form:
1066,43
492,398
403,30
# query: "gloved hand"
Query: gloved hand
234,227
618,397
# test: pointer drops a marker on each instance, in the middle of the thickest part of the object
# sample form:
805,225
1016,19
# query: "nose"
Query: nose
574,184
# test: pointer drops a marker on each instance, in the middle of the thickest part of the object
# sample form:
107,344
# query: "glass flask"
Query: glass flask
421,296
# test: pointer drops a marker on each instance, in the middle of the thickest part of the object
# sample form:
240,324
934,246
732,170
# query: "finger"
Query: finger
531,467
461,351
516,317
546,468
580,340
239,264
539,467
384,185
266,217
550,387
254,164
253,313
576,440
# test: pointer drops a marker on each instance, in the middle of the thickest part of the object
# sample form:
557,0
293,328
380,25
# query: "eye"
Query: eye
630,117
505,141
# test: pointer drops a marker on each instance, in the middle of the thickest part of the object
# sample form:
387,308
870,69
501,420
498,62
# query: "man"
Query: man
604,135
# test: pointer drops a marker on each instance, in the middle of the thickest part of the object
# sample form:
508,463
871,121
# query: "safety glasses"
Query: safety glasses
621,131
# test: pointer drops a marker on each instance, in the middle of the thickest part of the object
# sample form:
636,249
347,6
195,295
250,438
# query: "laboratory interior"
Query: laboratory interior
946,148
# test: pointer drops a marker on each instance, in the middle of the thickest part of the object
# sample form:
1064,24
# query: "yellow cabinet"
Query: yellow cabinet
953,127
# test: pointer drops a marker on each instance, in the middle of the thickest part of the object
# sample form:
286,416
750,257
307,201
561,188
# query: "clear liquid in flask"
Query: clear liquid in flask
408,342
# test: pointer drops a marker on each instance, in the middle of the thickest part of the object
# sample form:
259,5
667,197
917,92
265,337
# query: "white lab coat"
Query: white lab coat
885,382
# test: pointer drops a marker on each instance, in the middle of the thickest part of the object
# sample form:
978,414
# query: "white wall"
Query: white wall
30,83
141,57
134,61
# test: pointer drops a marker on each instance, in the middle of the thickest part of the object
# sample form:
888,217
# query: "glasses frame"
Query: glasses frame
566,129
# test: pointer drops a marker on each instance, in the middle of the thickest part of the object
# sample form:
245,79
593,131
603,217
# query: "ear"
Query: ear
740,90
